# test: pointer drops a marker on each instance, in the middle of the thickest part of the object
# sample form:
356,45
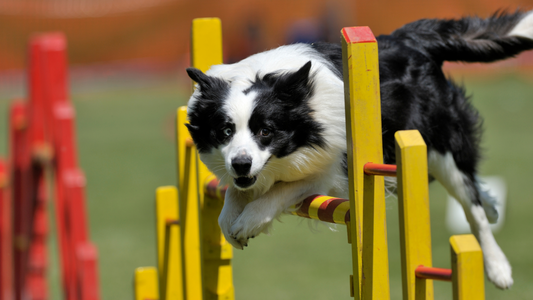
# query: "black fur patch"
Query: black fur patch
206,116
281,107
416,95
468,39
333,54
344,163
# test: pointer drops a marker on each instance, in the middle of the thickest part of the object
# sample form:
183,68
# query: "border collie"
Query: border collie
272,126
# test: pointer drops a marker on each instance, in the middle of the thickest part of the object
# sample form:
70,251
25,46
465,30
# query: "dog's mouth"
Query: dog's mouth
244,181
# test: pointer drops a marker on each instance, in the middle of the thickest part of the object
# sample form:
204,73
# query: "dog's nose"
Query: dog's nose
242,165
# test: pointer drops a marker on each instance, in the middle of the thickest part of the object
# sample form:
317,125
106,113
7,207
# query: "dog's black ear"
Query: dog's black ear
294,86
199,77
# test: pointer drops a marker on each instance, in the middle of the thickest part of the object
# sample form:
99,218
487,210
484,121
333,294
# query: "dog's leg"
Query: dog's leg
488,202
234,204
258,215
444,169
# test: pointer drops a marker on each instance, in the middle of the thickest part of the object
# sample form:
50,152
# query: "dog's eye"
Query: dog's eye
227,131
264,132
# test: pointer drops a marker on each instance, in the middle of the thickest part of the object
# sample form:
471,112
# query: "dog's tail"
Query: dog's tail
471,39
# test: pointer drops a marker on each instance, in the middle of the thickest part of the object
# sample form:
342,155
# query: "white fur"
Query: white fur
282,182
444,169
524,28
489,203
496,264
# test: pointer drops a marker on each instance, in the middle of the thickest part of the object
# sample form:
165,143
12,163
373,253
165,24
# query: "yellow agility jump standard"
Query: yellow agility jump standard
191,265
194,259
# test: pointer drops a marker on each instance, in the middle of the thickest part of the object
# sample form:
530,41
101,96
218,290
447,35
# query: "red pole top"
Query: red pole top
361,34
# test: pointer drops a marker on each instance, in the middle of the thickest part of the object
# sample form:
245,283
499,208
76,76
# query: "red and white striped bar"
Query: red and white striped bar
380,169
325,208
433,273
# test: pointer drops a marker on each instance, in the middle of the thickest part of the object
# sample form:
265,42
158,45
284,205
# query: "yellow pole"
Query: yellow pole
189,212
206,43
467,268
413,208
168,244
182,135
363,130
217,252
207,255
146,284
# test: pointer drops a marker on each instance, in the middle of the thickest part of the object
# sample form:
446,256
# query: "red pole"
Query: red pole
55,50
59,120
22,206
433,273
41,155
6,236
64,161
37,97
74,180
87,255
380,169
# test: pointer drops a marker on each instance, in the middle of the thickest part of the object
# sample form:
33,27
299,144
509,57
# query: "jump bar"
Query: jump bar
213,190
380,169
433,273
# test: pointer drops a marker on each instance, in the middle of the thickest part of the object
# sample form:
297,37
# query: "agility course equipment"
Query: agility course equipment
200,265
43,152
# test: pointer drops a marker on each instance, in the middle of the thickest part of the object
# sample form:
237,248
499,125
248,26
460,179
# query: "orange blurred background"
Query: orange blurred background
156,32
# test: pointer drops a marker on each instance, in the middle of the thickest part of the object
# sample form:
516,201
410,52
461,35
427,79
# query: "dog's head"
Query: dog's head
239,129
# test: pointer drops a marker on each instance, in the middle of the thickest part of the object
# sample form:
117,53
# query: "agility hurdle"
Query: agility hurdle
200,245
42,147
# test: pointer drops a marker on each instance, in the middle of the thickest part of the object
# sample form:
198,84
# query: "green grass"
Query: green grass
126,148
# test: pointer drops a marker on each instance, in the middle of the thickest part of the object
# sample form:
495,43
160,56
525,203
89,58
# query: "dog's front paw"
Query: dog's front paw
250,223
225,226
499,271
225,220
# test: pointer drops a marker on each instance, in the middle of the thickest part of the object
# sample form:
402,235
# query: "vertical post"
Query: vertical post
206,43
6,236
21,192
60,122
206,50
413,209
65,160
182,135
56,81
78,255
467,268
363,130
87,275
37,97
217,252
189,213
168,244
145,284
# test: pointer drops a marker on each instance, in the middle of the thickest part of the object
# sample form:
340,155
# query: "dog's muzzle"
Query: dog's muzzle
244,181
242,165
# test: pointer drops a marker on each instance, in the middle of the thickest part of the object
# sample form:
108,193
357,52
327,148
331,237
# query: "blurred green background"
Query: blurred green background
125,136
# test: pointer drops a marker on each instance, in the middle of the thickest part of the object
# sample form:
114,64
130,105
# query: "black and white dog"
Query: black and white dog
272,125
